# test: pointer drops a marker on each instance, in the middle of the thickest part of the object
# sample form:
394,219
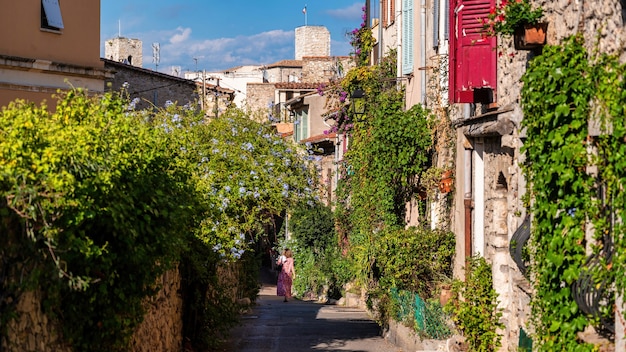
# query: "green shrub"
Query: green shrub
475,309
415,259
98,201
103,205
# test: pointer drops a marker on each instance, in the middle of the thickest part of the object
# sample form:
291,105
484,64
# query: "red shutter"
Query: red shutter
384,15
472,56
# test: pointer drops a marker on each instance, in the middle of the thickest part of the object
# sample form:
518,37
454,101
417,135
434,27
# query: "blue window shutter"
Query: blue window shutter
52,10
407,37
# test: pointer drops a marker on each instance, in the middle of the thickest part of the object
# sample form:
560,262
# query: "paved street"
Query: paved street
273,325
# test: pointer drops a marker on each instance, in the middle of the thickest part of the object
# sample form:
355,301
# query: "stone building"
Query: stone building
312,41
484,120
152,88
49,46
124,50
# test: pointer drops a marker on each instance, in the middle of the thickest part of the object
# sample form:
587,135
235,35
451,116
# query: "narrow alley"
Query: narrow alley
273,325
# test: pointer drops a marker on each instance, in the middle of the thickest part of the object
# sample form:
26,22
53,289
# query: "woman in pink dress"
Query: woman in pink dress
286,275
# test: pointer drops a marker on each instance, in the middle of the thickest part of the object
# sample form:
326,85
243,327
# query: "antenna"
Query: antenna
119,28
156,55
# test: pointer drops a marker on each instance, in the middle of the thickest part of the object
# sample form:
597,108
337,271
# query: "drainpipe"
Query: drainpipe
467,201
467,188
380,30
423,50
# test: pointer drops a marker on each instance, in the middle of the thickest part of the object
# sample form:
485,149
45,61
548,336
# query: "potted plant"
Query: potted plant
519,19
445,184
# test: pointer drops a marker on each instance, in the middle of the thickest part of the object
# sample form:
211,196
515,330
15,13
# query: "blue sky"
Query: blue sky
224,34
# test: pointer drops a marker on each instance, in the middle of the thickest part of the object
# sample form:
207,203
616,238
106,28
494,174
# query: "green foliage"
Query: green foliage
99,200
563,90
389,149
245,173
362,41
101,203
475,309
510,15
312,225
209,311
320,267
415,259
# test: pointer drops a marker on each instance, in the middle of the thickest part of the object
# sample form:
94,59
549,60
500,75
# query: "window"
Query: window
301,128
473,56
407,37
440,16
51,15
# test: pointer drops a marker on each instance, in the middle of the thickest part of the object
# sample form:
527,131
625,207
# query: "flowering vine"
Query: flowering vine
362,41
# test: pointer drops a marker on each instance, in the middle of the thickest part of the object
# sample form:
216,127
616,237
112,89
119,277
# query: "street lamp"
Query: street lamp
357,102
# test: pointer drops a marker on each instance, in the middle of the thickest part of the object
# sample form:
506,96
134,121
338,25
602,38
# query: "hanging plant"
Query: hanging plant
506,17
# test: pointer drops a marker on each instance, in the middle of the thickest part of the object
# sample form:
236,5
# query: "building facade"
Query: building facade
471,82
49,45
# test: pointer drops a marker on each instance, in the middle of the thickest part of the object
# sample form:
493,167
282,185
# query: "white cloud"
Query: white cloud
181,48
182,35
352,12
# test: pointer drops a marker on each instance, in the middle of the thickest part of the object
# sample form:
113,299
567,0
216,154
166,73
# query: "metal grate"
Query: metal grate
516,246
595,296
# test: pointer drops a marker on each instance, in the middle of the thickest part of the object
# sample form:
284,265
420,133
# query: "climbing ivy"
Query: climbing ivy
564,89
389,148
474,308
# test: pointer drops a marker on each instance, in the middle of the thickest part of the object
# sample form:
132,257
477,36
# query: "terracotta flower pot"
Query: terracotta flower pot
530,36
445,185
445,295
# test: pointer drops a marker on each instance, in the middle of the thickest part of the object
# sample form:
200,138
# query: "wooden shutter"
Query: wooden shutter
384,15
407,37
473,55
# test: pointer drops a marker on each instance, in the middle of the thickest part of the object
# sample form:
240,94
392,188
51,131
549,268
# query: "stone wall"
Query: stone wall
322,69
259,96
33,331
602,25
161,329
152,88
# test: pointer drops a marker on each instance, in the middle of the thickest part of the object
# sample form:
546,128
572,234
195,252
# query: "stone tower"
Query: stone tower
312,41
125,50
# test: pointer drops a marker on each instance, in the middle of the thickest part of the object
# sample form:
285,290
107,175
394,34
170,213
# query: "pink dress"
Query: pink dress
285,278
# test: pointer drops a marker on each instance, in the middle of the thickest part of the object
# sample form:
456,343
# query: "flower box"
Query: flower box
530,36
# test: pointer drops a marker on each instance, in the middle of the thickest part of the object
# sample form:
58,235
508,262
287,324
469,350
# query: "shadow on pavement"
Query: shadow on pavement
272,325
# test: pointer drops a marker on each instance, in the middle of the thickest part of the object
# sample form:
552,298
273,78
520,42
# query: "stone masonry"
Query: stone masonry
152,88
312,41
322,69
601,23
124,50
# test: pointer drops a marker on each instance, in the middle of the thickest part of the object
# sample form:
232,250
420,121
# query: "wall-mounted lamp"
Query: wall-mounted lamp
357,102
